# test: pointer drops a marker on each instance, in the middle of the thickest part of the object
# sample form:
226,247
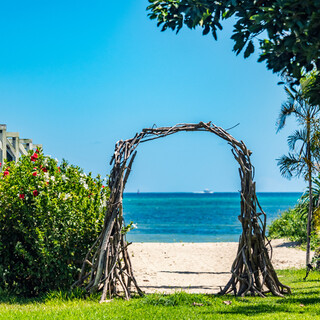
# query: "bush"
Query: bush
292,225
49,218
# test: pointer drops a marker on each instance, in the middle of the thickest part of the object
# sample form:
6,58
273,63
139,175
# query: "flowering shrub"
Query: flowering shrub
49,218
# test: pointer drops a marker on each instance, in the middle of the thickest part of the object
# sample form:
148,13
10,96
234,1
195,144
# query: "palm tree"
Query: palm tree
303,144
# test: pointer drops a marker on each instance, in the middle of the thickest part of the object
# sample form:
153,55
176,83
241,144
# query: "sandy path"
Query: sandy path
197,267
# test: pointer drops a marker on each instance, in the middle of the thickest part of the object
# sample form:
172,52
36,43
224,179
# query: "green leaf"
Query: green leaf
249,50
206,30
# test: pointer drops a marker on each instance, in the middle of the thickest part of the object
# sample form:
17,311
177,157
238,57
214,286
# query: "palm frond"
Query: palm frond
290,93
314,112
307,116
287,108
316,185
297,136
291,166
296,104
315,193
315,142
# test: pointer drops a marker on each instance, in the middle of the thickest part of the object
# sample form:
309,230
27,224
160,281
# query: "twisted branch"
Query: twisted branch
110,269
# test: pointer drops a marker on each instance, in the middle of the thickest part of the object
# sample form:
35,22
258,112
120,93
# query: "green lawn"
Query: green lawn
304,303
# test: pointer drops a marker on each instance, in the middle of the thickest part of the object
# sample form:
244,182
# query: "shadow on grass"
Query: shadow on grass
260,309
12,299
76,294
301,281
305,301
290,304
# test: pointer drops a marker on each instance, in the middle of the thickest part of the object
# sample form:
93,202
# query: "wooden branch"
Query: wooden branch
110,268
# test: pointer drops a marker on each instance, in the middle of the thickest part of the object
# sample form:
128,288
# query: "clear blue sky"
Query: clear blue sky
78,76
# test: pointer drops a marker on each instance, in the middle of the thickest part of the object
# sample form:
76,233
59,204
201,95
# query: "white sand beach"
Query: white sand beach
197,267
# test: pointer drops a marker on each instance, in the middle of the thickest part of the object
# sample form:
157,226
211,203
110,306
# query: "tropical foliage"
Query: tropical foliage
49,217
292,225
303,143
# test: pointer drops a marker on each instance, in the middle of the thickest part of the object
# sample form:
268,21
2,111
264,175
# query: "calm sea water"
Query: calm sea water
194,217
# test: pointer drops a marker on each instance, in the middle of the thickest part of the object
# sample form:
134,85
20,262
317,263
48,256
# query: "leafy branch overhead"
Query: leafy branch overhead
287,32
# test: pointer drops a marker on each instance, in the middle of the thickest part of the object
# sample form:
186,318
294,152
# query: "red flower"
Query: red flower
34,174
21,196
35,193
59,169
34,157
44,169
102,186
6,173
37,151
0,164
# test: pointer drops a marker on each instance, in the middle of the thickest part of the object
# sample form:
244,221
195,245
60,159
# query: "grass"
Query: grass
304,303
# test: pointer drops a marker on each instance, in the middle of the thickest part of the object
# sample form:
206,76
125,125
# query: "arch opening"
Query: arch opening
107,266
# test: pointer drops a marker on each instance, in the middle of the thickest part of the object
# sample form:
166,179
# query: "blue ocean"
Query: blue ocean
194,217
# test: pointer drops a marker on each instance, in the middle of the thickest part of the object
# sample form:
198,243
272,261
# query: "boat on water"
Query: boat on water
207,191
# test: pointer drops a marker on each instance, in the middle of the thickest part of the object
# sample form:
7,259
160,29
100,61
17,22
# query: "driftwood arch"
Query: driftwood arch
107,265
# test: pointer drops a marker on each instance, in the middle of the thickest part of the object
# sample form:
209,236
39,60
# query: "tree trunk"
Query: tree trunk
310,200
309,222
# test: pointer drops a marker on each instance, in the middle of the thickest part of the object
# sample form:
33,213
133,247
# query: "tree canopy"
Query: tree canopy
287,31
